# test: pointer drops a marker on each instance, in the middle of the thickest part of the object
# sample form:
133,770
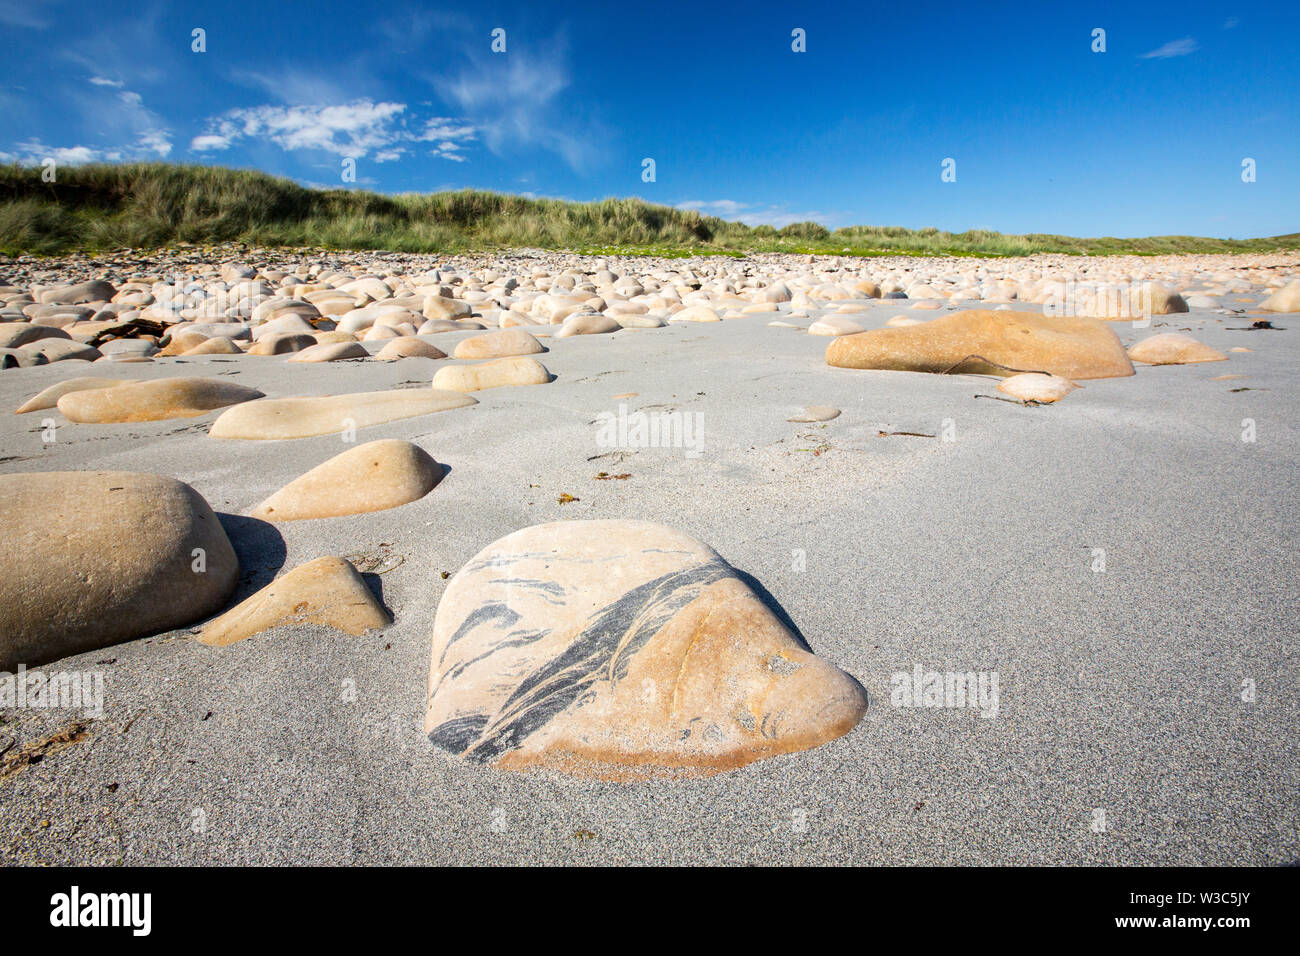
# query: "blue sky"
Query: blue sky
1048,136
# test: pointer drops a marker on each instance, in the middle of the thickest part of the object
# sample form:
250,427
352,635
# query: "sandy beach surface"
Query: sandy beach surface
970,545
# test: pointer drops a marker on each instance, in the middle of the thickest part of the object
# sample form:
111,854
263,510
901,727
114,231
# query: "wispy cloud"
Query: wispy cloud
356,129
1173,48
136,131
513,102
1229,23
22,13
714,207
752,215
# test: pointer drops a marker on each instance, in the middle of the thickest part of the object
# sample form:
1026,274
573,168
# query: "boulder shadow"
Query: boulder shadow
261,551
774,606
375,583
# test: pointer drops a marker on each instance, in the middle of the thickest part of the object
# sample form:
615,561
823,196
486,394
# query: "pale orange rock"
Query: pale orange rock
217,345
501,344
332,336
327,591
1034,387
331,352
695,313
49,398
153,401
625,650
408,346
182,342
371,477
93,558
1285,299
306,416
990,343
1173,348
279,343
518,370
834,325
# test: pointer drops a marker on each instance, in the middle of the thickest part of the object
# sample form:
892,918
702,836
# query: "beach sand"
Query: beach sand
1120,691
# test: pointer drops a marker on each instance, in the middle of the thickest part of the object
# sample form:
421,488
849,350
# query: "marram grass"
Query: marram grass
154,205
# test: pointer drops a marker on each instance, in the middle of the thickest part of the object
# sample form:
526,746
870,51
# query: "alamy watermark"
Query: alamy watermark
641,429
977,690
69,690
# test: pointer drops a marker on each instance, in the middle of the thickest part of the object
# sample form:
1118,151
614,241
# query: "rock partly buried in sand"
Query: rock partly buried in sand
587,324
1151,298
507,371
834,325
1035,387
695,313
15,335
371,477
50,396
217,345
92,558
408,346
621,649
153,401
278,418
1285,299
281,343
60,350
989,343
816,413
498,345
326,591
1173,348
331,352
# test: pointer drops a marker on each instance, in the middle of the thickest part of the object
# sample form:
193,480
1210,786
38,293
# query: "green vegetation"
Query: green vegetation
145,206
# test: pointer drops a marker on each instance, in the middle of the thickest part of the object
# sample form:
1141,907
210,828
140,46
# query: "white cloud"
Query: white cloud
349,129
151,144
357,129
448,137
1229,23
34,152
209,141
105,81
1173,48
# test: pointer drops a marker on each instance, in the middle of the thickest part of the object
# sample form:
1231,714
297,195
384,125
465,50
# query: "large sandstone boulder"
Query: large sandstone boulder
621,649
989,343
327,591
278,418
153,401
92,558
371,477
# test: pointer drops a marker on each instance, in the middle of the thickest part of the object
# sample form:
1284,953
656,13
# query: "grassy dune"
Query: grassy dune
101,207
